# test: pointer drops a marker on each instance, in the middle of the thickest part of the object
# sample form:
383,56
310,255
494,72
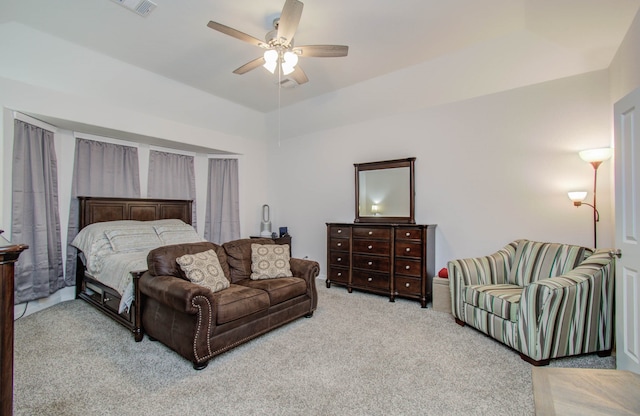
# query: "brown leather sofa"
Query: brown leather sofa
199,324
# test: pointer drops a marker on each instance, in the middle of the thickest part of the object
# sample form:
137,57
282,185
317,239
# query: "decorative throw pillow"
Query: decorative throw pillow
204,269
269,261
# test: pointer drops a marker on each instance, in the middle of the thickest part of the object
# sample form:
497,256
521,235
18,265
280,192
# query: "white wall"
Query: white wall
489,170
625,67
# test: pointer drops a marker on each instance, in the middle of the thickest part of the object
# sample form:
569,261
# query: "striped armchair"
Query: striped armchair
544,300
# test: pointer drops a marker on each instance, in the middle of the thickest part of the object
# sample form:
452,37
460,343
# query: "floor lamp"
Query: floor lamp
595,157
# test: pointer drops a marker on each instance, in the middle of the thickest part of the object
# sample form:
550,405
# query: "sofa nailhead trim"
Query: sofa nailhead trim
198,332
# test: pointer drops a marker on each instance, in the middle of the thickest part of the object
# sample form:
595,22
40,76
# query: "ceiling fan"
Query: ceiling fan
280,53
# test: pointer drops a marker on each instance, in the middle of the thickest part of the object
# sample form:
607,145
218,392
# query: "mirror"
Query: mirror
385,191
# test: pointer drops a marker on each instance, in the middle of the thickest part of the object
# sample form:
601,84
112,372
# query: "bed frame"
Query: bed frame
97,209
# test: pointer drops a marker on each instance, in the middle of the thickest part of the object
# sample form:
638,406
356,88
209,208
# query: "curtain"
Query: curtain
222,221
34,215
100,169
172,176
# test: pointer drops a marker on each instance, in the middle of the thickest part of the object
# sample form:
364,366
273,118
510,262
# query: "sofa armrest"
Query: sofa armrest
307,270
569,314
491,269
174,292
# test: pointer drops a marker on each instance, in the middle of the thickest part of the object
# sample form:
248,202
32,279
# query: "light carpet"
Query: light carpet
358,355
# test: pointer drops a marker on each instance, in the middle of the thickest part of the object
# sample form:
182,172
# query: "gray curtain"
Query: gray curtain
172,176
100,169
222,222
34,215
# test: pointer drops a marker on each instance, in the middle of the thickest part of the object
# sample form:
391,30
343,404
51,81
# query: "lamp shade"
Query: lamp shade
596,155
291,58
271,55
577,196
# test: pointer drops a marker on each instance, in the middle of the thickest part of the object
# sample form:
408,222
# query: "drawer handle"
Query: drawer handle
107,299
370,247
339,231
370,232
407,284
407,234
370,263
407,249
339,258
339,274
407,267
370,279
339,244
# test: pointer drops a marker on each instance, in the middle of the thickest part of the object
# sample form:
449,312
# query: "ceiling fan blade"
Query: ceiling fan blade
249,66
289,19
322,51
235,33
299,76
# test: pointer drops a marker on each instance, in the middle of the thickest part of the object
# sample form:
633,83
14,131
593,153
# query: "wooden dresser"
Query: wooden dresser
9,254
388,259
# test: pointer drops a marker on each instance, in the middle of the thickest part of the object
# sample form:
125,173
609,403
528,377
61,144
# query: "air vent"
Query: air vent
140,7
288,83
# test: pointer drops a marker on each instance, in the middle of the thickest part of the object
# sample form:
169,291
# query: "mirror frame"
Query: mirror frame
387,164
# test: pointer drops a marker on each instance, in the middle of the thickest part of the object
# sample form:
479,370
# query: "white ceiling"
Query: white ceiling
383,36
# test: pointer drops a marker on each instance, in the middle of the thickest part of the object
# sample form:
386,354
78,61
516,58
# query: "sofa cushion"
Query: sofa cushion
162,260
204,269
534,261
238,301
280,289
269,261
239,257
502,300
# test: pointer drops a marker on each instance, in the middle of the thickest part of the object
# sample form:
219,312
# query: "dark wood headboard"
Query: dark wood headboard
98,209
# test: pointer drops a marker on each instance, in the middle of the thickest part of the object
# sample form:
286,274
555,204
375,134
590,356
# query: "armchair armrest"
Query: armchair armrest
491,269
178,294
569,314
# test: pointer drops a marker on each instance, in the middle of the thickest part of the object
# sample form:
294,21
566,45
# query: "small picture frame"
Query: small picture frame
283,231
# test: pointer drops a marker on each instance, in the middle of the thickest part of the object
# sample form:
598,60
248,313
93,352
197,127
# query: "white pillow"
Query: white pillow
204,269
269,261
137,238
177,234
94,243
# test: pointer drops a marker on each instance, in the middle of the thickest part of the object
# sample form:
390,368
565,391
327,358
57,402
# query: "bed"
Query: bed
114,238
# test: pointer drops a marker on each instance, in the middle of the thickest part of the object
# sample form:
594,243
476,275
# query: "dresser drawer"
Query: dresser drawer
370,280
408,267
408,286
339,274
338,258
338,231
409,234
374,263
339,244
408,249
371,247
378,233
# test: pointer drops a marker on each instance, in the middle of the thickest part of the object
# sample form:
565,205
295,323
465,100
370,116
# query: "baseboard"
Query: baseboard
62,295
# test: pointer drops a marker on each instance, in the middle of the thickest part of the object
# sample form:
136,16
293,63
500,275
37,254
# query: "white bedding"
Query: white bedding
116,273
112,250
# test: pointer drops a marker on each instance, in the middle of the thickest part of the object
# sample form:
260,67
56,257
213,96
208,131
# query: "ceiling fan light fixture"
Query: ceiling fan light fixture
271,55
270,66
287,69
290,58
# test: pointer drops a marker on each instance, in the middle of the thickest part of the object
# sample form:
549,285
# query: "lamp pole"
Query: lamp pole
595,165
